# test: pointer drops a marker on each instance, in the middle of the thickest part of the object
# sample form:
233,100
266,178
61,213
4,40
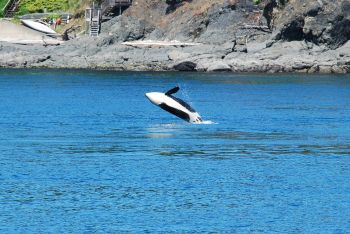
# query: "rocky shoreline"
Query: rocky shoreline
301,41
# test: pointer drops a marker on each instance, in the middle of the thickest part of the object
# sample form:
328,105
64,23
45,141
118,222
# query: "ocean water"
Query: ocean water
86,152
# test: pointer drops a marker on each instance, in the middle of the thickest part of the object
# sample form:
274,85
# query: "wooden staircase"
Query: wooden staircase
108,6
94,28
11,8
93,18
95,14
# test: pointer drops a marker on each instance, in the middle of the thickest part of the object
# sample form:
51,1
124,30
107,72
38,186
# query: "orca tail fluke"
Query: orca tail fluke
173,90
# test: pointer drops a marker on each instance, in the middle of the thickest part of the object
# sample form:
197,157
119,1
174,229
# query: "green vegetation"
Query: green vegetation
16,20
2,4
32,6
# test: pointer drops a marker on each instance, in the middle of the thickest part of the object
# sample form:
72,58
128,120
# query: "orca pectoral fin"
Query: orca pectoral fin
173,90
175,111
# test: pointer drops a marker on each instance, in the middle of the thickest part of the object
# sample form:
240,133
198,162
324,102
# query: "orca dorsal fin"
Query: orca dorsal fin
173,90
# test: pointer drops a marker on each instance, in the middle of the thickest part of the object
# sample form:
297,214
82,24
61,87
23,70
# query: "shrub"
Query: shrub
256,2
31,6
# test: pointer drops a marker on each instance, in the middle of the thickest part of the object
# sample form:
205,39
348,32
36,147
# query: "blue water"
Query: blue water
86,152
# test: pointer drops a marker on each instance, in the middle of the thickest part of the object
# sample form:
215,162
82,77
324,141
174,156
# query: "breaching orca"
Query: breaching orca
174,105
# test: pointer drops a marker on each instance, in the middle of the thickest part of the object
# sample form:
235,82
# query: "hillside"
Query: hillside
213,35
220,21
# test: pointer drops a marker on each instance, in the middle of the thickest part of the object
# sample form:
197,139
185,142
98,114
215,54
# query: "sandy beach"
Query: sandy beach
19,34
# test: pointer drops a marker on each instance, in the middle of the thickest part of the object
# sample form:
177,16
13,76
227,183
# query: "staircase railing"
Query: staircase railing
108,4
10,7
7,5
94,15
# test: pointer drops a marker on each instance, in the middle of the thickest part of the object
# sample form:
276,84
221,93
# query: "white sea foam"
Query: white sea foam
207,122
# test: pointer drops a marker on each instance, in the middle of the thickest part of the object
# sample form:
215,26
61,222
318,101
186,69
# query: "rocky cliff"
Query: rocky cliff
224,35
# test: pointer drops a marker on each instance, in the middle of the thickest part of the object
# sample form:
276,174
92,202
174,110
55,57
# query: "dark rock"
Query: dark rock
301,66
268,11
293,31
173,5
327,24
314,10
269,43
123,28
43,59
232,4
185,66
225,24
340,33
156,34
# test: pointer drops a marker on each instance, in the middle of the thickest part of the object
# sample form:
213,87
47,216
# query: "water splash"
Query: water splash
207,122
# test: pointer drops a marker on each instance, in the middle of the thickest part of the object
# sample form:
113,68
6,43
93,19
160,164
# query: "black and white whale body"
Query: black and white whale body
174,105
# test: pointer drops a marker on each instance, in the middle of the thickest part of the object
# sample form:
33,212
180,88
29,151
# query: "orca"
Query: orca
174,105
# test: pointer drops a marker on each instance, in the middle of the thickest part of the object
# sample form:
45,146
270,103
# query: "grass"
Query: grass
2,4
33,6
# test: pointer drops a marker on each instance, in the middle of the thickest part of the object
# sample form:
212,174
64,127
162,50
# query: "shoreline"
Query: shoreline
86,53
248,73
212,42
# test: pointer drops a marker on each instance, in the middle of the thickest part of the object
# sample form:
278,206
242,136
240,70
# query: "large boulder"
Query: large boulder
122,28
231,21
185,66
320,22
219,66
